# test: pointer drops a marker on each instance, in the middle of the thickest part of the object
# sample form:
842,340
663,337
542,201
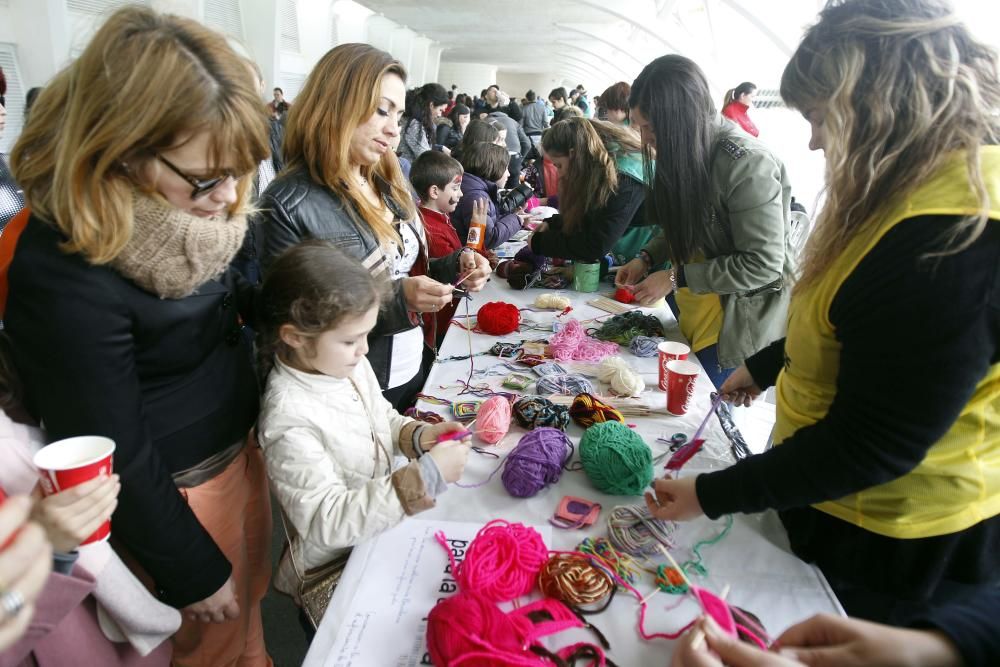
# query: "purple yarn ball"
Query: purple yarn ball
525,255
536,462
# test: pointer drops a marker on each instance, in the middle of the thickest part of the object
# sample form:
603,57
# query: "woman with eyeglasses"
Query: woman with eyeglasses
125,317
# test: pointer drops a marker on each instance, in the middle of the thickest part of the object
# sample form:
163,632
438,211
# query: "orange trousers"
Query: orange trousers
235,508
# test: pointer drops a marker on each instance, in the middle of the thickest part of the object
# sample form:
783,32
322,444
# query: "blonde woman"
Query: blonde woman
343,183
125,318
602,189
886,469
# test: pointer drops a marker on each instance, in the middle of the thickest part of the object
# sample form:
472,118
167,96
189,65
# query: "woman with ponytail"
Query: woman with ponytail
736,105
602,190
423,107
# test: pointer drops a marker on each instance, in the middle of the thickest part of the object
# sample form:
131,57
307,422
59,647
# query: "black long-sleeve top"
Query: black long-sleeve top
972,625
169,380
917,335
600,228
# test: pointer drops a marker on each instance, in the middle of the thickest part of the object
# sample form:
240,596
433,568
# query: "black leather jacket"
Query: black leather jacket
295,208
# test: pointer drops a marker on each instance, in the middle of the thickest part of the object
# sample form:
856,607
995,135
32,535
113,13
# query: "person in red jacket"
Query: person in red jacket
737,103
437,180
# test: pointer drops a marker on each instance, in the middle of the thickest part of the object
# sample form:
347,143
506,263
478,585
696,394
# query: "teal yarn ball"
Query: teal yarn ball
616,459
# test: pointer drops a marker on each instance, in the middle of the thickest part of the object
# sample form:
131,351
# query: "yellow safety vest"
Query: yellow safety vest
958,483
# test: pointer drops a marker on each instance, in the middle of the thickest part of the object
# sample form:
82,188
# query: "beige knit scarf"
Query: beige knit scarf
171,253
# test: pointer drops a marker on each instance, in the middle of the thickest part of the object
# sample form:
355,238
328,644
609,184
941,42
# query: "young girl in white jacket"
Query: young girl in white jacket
328,435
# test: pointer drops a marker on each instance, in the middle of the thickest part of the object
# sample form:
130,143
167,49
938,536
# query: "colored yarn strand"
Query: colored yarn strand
502,562
575,580
621,565
695,565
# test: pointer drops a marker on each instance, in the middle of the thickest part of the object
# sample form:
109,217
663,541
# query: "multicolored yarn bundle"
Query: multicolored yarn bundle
568,384
420,415
465,410
626,326
536,462
588,410
616,459
573,579
534,411
572,342
645,346
622,378
623,565
493,419
502,562
633,530
498,318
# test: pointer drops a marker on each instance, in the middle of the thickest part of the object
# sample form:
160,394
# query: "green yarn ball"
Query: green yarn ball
616,459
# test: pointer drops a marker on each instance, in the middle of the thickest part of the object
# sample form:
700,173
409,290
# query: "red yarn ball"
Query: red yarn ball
624,295
498,318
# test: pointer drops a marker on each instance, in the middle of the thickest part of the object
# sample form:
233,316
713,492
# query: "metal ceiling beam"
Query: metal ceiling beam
637,23
600,57
599,38
595,66
757,23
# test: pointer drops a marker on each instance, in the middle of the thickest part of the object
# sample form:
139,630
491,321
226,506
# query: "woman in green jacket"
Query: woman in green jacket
722,201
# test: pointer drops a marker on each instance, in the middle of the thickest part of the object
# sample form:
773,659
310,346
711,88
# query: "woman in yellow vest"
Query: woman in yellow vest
886,469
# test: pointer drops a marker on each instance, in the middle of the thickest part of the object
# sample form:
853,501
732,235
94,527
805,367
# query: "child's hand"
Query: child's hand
480,207
675,500
450,457
429,436
71,516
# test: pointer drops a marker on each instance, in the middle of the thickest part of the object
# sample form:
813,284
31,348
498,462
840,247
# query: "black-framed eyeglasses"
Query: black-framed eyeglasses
202,186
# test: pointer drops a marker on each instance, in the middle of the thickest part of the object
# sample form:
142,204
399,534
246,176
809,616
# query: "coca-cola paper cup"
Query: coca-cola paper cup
681,376
67,463
669,351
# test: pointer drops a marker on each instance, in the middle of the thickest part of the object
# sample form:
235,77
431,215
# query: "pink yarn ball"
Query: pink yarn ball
493,419
503,561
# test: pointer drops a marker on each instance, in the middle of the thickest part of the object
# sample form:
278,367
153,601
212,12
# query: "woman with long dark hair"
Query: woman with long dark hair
449,134
423,107
722,200
886,468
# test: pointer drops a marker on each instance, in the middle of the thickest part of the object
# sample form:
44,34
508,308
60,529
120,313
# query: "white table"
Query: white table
754,559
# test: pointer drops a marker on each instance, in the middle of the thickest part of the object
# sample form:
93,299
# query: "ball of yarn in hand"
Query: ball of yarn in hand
633,530
549,300
493,419
616,459
622,378
536,462
503,561
645,346
535,412
567,384
573,579
588,410
498,318
624,295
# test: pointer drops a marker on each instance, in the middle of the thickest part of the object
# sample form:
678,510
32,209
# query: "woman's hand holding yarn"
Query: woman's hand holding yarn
426,295
631,273
450,457
740,388
720,649
675,500
656,286
430,435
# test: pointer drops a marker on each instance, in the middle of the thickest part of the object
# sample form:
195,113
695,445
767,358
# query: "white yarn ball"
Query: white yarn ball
552,301
623,379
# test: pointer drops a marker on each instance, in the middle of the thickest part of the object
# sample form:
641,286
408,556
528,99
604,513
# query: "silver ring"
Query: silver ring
11,602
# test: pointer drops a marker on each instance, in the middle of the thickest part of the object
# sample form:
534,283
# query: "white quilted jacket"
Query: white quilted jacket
336,487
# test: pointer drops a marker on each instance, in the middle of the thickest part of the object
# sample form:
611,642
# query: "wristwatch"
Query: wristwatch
646,258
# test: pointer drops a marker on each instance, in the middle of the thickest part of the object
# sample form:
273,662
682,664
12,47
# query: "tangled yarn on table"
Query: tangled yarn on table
622,378
493,419
534,411
502,562
626,326
623,565
536,462
567,384
633,530
573,579
498,318
572,342
645,346
616,459
588,410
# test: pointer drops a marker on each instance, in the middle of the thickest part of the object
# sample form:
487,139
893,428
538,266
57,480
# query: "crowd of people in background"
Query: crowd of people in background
247,296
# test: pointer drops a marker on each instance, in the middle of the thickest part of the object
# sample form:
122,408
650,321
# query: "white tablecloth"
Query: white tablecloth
754,559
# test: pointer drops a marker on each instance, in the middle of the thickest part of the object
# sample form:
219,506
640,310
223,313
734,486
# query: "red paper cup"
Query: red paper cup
68,463
669,351
681,376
